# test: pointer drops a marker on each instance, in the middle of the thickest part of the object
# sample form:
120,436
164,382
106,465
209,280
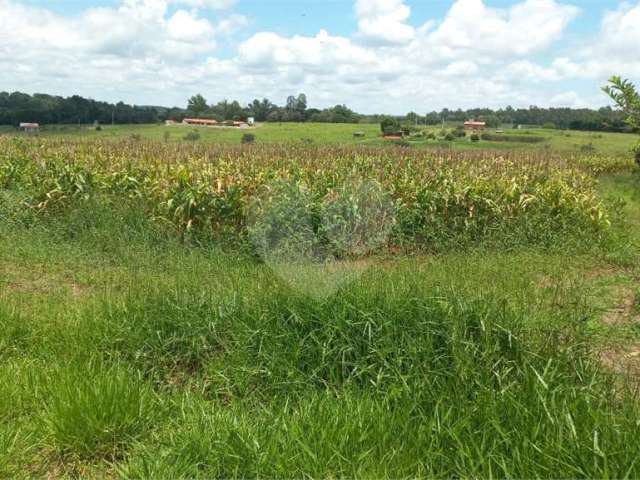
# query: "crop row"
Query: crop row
429,199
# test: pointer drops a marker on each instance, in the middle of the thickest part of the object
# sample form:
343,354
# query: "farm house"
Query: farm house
200,121
474,126
29,127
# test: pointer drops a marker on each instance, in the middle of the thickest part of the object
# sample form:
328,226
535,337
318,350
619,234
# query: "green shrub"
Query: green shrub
474,137
390,126
449,137
248,138
636,153
192,136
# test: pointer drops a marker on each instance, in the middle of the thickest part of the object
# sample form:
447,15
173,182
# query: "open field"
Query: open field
320,133
492,332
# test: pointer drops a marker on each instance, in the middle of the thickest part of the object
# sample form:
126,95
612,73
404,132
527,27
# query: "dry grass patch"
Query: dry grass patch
38,280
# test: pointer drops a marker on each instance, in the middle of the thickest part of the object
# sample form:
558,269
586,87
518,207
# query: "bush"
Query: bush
636,153
192,137
98,128
248,138
474,137
449,137
430,136
459,132
389,126
410,129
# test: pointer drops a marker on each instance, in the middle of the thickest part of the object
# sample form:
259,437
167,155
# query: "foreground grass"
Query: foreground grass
125,353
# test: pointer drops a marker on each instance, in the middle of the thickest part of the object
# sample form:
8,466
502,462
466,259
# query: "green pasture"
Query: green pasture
566,141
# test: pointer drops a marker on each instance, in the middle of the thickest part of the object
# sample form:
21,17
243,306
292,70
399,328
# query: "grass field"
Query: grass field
321,133
494,333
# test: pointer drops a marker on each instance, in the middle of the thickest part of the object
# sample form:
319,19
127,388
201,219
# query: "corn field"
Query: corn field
441,199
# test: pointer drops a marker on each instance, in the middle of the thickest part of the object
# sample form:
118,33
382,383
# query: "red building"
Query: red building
474,126
200,121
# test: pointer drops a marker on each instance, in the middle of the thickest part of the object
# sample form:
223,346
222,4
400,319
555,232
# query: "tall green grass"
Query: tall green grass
95,411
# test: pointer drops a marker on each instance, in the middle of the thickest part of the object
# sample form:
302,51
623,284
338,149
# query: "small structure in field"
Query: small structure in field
202,122
251,121
358,134
28,127
474,126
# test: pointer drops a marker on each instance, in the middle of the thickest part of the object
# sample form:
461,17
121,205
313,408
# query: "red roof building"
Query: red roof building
29,127
473,125
200,121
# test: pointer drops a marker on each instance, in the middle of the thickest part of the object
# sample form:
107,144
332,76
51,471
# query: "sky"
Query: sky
376,56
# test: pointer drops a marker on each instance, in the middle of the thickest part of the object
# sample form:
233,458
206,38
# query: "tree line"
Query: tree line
19,107
295,110
602,119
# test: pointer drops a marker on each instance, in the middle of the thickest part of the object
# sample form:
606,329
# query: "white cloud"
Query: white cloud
527,71
620,32
138,29
213,4
185,27
611,50
162,51
530,26
322,53
461,68
567,99
382,22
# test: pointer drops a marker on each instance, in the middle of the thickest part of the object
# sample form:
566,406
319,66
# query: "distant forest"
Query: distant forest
45,109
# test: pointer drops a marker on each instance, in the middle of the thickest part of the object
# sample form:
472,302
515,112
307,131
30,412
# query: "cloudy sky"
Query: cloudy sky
387,56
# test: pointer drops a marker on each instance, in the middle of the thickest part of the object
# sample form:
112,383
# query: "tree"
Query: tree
295,108
260,109
625,95
226,110
412,118
197,105
301,103
291,103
